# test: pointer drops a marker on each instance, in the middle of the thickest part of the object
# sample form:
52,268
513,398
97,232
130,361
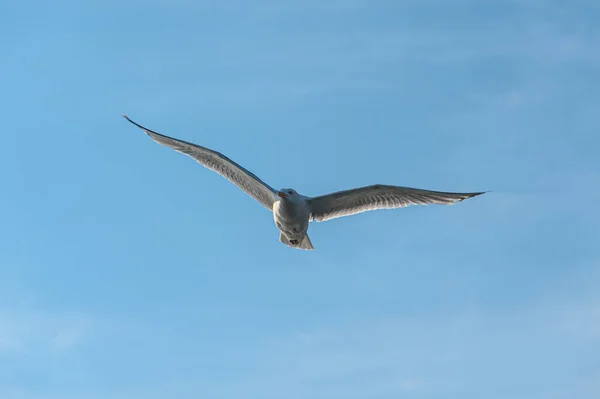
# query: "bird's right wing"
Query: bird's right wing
351,202
219,163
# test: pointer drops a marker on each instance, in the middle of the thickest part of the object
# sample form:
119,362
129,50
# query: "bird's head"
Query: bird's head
287,194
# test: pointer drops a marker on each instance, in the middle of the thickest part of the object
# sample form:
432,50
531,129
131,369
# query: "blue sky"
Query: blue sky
129,271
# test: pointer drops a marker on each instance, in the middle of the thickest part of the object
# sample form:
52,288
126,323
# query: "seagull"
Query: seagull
292,211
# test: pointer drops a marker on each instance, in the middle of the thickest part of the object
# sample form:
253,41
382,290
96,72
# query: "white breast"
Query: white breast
291,217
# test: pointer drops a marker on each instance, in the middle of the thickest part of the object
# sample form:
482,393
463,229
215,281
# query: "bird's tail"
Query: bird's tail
299,243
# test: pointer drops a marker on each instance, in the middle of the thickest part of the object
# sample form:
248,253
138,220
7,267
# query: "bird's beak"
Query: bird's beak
281,194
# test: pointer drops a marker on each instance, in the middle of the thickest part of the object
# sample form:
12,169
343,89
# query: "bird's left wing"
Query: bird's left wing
351,202
219,163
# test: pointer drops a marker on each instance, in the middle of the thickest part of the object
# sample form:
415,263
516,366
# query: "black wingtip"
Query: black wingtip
129,119
148,131
471,195
479,193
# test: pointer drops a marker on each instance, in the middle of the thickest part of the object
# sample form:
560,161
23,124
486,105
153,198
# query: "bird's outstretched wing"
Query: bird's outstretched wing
219,163
351,202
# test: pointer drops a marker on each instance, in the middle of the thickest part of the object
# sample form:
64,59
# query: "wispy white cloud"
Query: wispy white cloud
456,354
312,62
40,333
430,355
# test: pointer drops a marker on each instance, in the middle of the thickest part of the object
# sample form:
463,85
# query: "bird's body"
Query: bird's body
293,212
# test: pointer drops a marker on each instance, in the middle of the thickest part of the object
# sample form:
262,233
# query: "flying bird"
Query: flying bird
292,211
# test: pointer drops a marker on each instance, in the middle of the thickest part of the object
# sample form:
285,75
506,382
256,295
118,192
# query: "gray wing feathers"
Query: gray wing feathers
350,202
215,161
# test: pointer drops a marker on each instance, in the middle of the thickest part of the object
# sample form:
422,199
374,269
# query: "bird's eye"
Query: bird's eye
289,192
